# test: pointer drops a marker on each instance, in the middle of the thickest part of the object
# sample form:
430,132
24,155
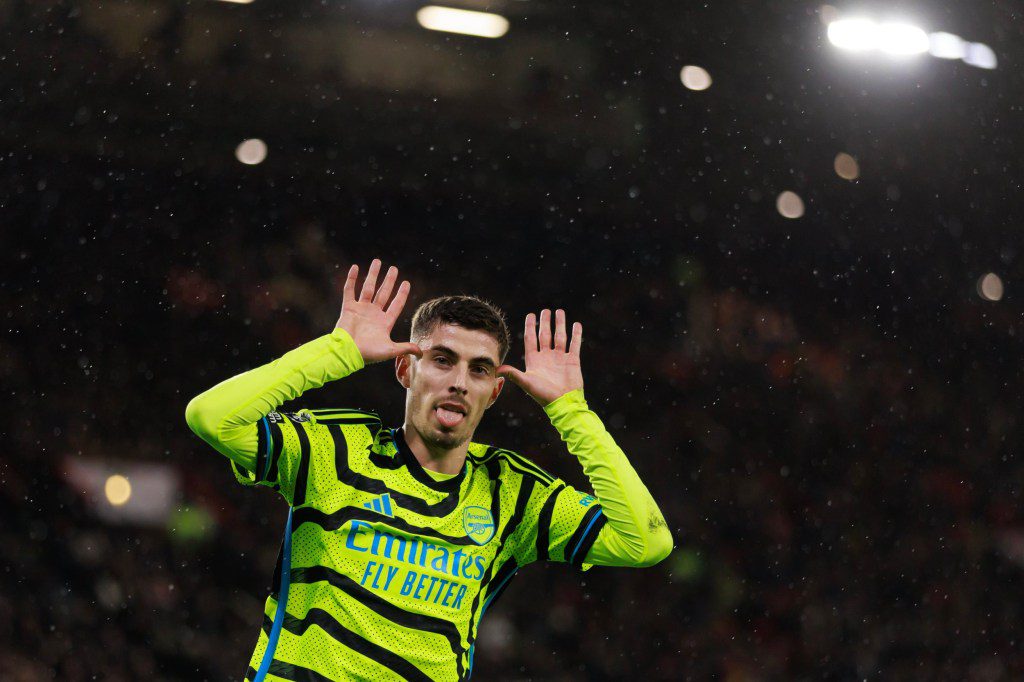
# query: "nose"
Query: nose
460,381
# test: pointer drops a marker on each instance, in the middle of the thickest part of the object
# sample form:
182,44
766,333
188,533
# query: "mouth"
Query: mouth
450,414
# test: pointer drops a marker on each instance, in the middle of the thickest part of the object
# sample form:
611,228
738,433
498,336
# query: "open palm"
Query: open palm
552,361
366,319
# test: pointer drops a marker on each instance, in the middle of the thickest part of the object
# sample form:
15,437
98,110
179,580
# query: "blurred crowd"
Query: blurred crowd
845,499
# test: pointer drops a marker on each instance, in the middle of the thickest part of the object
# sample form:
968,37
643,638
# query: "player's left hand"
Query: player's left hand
552,362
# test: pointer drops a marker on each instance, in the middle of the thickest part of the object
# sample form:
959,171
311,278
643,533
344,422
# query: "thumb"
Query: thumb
407,349
518,377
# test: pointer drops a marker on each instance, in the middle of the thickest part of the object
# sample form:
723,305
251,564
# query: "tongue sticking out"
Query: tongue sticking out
449,418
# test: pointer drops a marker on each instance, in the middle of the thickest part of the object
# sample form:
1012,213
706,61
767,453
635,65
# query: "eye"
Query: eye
480,369
441,360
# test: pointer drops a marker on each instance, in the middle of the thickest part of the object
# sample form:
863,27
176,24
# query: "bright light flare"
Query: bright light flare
980,55
902,39
946,46
238,2
990,287
860,34
117,489
695,78
465,22
790,205
856,35
251,152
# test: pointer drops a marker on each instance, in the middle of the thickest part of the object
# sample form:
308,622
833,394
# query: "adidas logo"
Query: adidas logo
381,505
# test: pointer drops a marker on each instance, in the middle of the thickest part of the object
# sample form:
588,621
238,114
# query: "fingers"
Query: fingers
366,295
544,334
560,330
541,339
577,339
530,335
349,291
516,376
408,349
395,309
384,293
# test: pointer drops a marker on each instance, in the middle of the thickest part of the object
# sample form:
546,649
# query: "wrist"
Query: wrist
348,346
567,402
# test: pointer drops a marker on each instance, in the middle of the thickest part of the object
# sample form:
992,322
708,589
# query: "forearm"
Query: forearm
636,533
224,415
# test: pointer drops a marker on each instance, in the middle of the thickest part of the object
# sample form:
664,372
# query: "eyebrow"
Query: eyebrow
482,360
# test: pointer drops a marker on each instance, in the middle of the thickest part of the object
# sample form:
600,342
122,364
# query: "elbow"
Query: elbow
199,418
659,546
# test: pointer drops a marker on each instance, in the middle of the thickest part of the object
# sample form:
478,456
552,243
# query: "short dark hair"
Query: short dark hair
468,312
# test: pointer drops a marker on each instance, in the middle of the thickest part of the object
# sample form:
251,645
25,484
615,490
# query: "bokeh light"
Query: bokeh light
980,55
946,46
251,152
466,22
117,489
790,205
990,287
695,78
846,166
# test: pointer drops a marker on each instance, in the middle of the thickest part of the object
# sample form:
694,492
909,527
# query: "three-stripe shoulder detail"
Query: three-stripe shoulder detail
346,416
523,466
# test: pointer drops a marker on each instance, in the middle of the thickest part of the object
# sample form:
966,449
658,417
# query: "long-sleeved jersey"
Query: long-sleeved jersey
386,567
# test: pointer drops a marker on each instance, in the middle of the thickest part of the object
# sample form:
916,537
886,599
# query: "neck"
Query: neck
433,457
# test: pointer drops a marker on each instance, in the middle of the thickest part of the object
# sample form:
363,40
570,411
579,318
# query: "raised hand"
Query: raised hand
552,369
366,319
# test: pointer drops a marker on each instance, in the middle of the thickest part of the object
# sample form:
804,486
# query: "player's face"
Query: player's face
451,385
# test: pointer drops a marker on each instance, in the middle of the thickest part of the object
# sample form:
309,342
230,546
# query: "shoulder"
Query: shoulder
342,415
346,421
505,463
329,415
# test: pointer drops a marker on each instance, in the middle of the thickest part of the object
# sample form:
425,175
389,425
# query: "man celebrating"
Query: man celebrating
398,540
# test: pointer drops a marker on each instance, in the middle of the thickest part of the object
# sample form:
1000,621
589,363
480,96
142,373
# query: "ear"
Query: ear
403,370
498,385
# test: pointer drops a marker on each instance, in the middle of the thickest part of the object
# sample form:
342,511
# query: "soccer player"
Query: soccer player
398,540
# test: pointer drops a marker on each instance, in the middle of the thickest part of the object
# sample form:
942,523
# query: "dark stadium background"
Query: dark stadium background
825,407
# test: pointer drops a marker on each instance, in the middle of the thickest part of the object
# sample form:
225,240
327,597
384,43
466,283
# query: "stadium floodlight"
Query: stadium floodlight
902,39
946,46
465,22
856,35
861,34
980,55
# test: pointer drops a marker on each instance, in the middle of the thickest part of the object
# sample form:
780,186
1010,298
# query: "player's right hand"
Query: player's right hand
366,319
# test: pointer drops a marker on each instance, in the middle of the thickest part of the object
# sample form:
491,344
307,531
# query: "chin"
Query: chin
447,439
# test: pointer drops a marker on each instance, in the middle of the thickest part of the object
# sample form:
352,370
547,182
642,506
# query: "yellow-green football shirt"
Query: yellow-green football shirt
386,571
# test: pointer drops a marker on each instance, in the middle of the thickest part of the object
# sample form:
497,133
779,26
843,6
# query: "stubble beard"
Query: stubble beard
443,439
